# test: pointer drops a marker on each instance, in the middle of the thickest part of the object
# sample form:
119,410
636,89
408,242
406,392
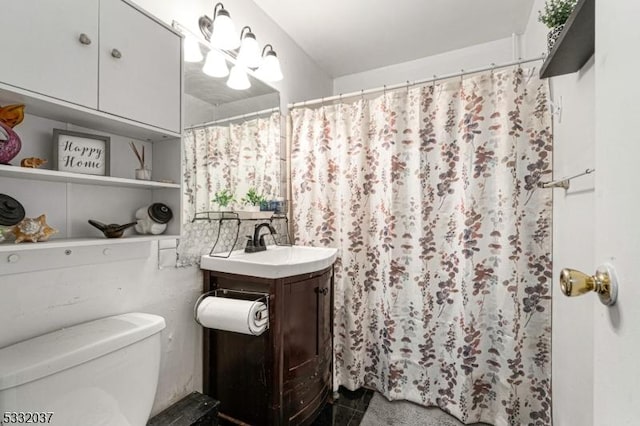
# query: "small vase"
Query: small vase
553,35
143,174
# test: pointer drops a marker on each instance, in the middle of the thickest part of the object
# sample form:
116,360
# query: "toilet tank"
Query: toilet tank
100,373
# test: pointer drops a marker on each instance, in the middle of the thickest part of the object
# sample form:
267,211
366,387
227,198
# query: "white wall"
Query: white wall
573,237
481,55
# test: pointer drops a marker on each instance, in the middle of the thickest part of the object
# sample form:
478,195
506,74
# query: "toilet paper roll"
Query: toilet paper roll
240,316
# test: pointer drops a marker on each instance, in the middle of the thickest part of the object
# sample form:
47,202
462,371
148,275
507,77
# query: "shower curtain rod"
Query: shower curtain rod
415,83
237,117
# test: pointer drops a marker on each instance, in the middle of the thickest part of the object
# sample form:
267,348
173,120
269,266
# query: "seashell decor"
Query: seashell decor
32,230
32,162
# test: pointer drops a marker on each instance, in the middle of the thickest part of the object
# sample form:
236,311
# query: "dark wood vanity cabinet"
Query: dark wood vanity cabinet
282,377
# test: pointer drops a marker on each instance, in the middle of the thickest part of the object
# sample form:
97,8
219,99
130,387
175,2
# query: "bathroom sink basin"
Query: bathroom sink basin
274,262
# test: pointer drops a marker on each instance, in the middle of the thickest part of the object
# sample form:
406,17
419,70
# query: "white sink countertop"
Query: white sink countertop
274,262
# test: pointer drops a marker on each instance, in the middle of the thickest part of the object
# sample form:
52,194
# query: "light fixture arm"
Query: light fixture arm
242,33
215,11
265,48
206,24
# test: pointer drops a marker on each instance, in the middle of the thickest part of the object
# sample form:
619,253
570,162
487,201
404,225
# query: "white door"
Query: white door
617,236
139,67
43,49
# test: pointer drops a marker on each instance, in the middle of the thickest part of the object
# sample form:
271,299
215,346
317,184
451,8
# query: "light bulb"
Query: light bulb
224,32
238,79
216,64
270,68
192,51
249,54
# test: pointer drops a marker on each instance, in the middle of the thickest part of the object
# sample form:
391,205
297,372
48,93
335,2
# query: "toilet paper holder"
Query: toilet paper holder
261,297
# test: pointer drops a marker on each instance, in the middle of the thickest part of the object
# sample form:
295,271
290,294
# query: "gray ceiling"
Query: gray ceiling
350,36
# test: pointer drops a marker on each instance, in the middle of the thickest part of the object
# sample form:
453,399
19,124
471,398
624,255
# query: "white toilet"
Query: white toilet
100,373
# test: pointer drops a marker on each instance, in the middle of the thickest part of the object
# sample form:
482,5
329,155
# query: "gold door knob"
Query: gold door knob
604,283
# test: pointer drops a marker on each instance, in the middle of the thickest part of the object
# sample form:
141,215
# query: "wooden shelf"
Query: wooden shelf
576,43
56,109
11,247
66,177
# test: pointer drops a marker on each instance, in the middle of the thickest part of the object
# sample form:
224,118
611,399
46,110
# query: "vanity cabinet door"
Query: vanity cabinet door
301,332
139,67
307,347
43,50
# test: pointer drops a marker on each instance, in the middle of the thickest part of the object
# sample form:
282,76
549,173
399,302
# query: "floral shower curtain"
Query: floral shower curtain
442,286
235,156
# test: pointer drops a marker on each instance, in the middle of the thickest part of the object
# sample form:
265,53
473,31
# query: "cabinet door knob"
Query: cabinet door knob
84,39
116,53
323,291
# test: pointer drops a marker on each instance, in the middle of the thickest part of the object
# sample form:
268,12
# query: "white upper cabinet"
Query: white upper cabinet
140,67
105,55
51,47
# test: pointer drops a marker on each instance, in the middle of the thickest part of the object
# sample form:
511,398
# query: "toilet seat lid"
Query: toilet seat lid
50,353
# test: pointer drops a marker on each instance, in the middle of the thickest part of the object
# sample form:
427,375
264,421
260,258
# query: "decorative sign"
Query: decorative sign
80,152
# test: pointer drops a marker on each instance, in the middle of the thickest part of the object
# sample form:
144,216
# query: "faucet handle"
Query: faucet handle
249,241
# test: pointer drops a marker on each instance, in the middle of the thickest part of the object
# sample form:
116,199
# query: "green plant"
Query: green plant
556,12
223,198
253,198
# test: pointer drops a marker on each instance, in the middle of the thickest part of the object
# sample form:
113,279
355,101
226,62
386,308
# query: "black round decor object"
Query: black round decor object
11,211
160,213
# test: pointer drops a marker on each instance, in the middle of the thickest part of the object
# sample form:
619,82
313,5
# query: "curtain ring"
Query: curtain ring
493,68
362,94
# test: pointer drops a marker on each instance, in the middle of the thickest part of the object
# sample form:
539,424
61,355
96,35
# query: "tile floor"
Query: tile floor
348,410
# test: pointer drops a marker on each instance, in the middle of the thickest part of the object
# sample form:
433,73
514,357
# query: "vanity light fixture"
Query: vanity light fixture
249,54
216,64
192,51
238,78
219,31
270,69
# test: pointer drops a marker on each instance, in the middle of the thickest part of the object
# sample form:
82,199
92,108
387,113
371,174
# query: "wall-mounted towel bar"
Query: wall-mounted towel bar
564,183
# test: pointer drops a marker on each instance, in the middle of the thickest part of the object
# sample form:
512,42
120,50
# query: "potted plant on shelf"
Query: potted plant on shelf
252,200
556,13
223,200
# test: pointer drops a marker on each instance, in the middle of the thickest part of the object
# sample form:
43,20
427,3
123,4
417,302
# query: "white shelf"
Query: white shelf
11,247
56,176
56,109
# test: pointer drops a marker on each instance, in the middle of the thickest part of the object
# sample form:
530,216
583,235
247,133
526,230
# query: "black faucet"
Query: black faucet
257,243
